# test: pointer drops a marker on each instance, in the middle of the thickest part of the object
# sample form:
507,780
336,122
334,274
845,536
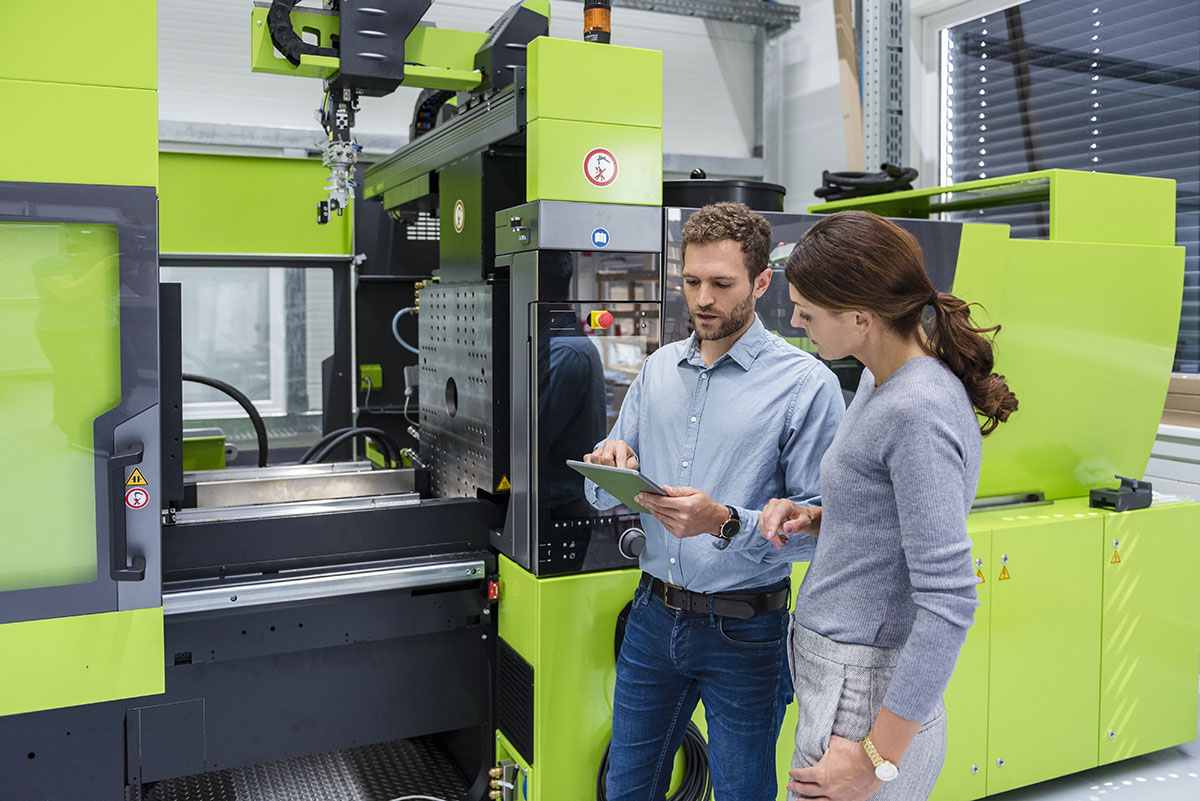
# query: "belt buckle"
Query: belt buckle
667,595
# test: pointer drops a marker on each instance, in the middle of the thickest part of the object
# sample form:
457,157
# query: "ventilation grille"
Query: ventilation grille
514,704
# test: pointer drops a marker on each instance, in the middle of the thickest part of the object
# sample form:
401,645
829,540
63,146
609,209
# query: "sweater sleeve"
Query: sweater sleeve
926,460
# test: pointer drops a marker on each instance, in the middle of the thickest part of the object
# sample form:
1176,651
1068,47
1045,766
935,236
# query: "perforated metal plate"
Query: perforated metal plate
382,772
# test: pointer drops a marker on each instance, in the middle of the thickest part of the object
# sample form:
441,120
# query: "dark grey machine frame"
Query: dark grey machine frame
127,546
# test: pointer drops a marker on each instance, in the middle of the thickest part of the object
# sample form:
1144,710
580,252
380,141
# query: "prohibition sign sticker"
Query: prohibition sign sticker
137,498
600,167
460,216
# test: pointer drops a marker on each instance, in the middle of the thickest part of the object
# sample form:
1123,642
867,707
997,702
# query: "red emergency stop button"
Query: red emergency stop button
600,319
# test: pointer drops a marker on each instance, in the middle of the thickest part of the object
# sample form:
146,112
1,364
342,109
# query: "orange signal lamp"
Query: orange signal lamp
600,319
597,21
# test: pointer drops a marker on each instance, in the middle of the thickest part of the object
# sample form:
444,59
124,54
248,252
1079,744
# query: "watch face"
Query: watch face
730,528
886,771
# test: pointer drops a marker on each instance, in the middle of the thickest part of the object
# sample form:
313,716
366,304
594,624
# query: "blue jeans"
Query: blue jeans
670,660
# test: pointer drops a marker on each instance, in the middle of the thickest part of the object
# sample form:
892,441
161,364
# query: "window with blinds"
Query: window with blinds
1098,85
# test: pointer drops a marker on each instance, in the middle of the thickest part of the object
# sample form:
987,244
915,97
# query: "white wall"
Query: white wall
205,77
812,104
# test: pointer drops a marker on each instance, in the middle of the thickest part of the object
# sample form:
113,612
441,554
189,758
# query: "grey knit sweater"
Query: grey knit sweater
893,561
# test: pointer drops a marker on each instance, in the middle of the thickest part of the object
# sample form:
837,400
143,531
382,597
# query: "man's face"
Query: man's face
718,290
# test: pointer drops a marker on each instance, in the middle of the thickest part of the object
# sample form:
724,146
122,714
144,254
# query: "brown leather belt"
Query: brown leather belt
741,606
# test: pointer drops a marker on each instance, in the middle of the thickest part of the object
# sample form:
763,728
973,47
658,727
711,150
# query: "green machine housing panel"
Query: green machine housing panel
587,102
80,42
1148,696
558,153
1044,679
272,210
99,135
1090,314
964,773
565,628
571,80
68,661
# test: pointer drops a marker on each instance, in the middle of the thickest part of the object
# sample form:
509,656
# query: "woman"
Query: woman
889,597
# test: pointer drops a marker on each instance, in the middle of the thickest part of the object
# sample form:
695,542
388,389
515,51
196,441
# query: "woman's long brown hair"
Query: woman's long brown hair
856,260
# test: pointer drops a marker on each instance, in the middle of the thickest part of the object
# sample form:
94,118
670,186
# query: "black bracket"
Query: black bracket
1132,494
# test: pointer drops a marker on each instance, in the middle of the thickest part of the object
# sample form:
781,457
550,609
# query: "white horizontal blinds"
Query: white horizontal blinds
1100,85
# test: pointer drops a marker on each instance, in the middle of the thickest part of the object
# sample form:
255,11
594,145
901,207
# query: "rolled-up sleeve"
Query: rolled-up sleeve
817,409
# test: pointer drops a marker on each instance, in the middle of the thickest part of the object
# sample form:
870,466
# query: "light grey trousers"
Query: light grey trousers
839,690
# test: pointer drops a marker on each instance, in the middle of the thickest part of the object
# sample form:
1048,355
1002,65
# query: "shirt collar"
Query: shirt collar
744,351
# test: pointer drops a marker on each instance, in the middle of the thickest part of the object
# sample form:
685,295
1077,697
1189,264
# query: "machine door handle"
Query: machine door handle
119,567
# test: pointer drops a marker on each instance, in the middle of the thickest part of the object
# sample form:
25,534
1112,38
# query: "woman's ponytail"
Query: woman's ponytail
968,353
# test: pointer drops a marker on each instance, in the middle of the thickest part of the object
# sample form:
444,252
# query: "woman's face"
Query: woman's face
835,334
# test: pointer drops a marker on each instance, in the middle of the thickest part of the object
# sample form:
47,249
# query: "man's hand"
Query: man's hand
782,518
685,511
845,773
614,453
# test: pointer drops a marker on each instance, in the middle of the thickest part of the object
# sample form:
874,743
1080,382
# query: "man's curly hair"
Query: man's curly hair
720,221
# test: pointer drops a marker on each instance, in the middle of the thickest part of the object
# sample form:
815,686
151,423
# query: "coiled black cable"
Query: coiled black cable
255,418
843,185
387,446
697,782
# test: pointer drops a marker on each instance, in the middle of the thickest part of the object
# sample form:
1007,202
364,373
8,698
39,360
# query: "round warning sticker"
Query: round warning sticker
137,498
460,216
600,167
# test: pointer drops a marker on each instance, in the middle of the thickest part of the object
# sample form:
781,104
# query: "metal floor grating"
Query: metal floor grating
381,772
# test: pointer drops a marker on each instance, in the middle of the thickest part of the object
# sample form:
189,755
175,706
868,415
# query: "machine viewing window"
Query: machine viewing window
1068,84
265,329
59,371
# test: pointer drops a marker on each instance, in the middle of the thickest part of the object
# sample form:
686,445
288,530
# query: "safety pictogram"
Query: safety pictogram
600,237
1116,560
979,575
1004,573
600,167
460,216
137,498
136,479
503,486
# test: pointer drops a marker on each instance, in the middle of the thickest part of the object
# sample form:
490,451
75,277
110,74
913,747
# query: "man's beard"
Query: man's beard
731,324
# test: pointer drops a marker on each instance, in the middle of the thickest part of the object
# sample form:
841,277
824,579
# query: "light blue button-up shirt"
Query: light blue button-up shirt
751,427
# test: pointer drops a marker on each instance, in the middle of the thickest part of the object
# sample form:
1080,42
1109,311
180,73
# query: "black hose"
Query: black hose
255,418
696,785
316,446
388,447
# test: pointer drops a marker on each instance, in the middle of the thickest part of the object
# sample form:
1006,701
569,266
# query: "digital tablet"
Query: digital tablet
623,484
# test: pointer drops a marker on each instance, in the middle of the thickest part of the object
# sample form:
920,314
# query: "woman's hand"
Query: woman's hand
845,773
782,518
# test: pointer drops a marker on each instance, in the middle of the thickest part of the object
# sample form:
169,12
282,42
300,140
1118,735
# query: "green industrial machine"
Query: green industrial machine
81,617
1084,649
547,204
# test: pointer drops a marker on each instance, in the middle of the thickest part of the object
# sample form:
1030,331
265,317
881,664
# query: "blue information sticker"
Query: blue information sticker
600,238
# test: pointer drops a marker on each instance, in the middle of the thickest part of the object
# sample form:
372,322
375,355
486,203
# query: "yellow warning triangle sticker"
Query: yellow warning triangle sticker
503,485
1004,573
137,479
1116,559
979,575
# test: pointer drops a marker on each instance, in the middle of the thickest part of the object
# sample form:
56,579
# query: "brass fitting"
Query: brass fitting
496,772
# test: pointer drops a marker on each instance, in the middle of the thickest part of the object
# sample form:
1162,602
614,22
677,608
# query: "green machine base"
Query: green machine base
1085,650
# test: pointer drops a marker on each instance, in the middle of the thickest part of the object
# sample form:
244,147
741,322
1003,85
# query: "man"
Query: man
729,418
